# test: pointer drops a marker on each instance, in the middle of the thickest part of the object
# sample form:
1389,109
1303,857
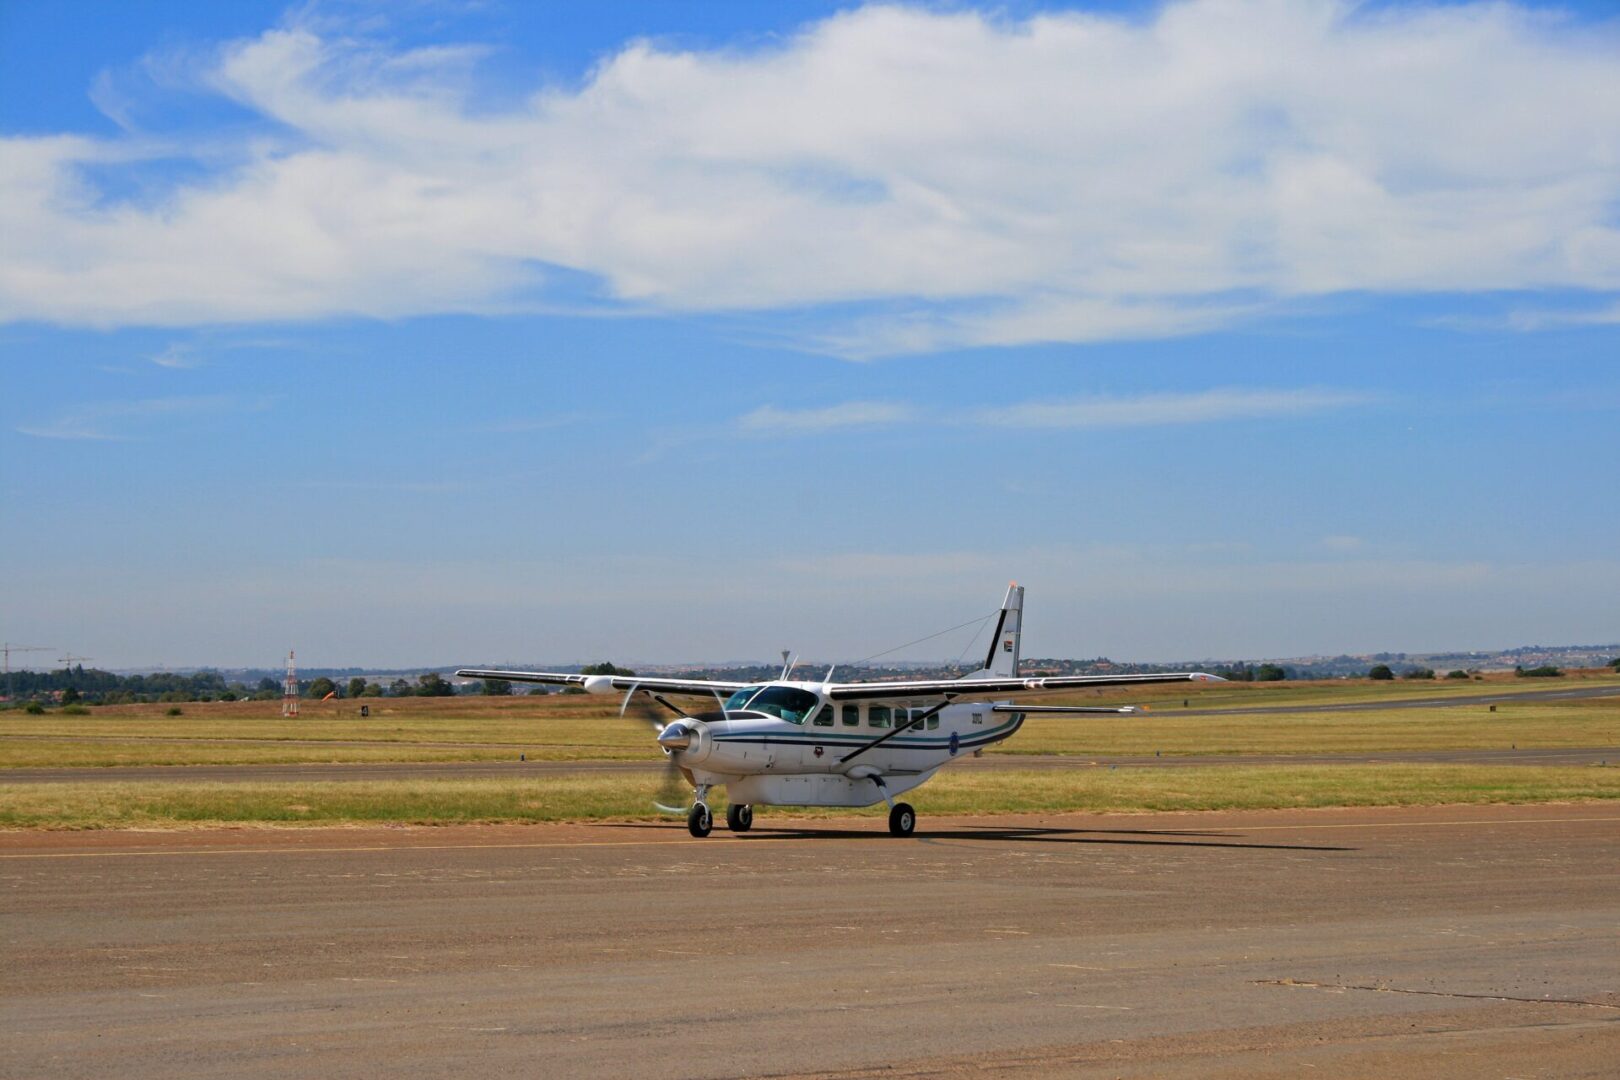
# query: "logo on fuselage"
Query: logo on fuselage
956,743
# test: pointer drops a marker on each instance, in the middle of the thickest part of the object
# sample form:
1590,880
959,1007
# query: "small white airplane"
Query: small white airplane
797,743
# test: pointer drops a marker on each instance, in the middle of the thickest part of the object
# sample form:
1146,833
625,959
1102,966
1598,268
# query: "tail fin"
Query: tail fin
1002,658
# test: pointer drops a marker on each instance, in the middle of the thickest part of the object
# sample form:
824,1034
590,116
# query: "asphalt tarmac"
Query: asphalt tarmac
1435,942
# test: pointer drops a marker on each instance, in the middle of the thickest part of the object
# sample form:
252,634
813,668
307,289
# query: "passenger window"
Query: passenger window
852,716
878,716
824,718
933,722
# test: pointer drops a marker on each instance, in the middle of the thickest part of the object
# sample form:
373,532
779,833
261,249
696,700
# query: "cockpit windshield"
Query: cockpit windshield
785,702
740,698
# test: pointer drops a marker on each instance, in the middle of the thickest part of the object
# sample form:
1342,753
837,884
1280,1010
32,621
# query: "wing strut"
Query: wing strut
899,729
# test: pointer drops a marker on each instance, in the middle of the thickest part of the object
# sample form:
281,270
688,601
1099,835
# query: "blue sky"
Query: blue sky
693,332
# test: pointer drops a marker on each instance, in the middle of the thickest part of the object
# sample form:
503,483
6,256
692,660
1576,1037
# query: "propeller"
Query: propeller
673,797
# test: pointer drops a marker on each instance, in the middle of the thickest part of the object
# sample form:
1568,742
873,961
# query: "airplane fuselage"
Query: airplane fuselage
825,753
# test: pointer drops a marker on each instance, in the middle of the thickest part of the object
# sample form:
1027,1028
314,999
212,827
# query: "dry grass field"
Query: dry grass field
574,728
579,728
576,797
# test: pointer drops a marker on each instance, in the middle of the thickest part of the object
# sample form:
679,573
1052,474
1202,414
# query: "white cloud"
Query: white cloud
177,355
118,421
1070,177
1097,411
1343,543
768,419
1148,410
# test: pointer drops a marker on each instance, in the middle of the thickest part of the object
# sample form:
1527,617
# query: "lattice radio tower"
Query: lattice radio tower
289,689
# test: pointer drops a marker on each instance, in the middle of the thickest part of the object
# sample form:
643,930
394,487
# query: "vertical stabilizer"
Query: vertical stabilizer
1002,658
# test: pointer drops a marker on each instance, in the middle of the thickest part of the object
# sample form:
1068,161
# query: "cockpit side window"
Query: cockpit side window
785,702
740,698
824,718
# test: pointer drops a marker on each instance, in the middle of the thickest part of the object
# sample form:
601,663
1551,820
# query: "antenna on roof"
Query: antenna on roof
787,667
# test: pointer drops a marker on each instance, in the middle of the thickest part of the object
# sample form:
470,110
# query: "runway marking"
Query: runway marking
1428,824
750,840
1436,993
386,847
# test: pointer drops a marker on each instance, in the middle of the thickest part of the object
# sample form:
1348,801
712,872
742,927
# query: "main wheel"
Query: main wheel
699,821
902,819
739,817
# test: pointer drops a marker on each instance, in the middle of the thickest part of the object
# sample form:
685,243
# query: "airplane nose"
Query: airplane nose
675,737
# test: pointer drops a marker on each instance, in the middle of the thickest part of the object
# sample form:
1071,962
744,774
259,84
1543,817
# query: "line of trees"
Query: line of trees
92,686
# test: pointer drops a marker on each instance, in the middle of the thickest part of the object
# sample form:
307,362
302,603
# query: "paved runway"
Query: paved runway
477,770
1440,942
1433,701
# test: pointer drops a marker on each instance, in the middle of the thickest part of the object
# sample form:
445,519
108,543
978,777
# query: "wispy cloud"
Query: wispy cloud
177,355
979,179
1152,410
119,421
768,419
1097,411
521,424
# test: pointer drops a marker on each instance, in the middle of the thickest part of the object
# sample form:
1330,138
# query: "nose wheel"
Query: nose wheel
902,819
739,817
699,820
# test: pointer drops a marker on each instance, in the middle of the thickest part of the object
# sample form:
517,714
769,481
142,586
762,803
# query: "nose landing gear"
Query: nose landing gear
699,819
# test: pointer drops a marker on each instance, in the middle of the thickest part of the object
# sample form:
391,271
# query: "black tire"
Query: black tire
699,821
902,819
739,817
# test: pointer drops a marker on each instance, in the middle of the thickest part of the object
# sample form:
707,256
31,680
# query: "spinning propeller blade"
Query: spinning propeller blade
673,797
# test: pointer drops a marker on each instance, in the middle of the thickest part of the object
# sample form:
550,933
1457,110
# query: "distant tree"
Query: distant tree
1546,671
1418,673
496,688
267,683
371,690
435,685
34,708
605,668
357,686
539,690
1615,663
1381,671
400,688
320,687
1456,674
1236,673
229,695
1269,673
70,696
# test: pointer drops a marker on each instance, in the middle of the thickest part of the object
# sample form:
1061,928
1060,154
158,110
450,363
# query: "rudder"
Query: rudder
1002,657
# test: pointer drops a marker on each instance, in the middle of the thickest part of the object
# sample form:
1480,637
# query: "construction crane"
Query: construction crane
67,661
8,648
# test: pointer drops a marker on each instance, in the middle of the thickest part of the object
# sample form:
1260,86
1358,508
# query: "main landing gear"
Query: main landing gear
902,819
700,819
